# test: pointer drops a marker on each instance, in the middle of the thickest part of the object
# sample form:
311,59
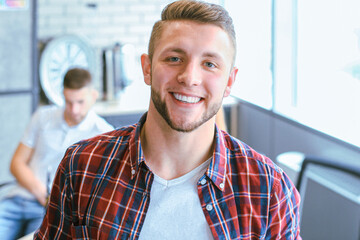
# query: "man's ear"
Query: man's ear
231,81
146,68
94,94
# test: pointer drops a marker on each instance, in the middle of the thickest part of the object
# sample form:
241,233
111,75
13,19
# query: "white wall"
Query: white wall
110,21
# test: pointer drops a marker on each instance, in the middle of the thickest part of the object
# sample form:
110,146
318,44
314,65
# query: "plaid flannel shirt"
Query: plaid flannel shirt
102,191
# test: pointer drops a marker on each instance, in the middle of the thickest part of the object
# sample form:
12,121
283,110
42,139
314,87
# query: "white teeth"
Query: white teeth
186,98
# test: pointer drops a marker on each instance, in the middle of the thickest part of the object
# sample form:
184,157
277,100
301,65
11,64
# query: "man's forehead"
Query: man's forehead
175,27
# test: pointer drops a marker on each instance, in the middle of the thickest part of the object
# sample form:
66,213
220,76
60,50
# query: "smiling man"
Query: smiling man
190,72
174,174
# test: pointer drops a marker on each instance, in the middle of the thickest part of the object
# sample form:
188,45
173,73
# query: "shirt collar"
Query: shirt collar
216,170
87,121
135,149
218,165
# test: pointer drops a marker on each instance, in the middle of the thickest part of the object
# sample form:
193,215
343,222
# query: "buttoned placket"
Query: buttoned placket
145,195
208,206
208,203
205,199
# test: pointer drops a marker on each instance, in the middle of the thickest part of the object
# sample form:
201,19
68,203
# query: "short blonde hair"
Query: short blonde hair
195,11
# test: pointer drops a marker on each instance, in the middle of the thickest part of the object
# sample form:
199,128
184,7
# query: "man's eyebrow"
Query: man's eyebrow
181,51
176,50
212,55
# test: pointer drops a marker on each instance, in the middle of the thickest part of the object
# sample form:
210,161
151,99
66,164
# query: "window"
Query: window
317,65
252,21
315,47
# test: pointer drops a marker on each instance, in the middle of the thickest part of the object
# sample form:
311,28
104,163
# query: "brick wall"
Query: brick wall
103,22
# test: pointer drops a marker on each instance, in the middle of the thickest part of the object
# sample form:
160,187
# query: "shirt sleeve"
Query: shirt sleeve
32,130
284,220
58,221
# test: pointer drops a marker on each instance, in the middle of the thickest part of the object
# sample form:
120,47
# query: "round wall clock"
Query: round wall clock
59,55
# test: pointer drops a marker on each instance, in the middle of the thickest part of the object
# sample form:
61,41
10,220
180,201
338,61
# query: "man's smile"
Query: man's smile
186,99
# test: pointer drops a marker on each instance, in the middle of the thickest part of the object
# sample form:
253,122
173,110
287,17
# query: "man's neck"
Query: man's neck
170,153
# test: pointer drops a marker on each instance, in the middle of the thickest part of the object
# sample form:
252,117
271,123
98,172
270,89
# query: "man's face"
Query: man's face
77,104
190,73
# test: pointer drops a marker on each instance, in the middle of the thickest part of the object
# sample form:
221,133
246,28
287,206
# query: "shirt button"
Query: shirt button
209,207
221,185
203,181
133,171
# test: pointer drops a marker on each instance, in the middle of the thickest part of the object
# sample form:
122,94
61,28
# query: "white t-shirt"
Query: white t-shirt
49,135
175,211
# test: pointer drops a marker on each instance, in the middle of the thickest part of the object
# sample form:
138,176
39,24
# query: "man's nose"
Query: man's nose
75,109
191,74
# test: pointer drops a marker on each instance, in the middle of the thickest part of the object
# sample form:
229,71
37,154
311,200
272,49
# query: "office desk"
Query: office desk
127,108
118,115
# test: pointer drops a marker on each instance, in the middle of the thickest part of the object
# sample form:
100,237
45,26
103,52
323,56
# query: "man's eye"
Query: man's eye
174,59
209,65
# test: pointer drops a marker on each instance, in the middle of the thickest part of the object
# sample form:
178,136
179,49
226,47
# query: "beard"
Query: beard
182,126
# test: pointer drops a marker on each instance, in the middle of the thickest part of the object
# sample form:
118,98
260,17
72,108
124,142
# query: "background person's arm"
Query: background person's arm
19,167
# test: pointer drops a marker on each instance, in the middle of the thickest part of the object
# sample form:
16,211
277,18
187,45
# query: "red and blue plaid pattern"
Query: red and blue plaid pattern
102,191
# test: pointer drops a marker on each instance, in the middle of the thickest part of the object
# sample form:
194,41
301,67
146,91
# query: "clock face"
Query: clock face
60,55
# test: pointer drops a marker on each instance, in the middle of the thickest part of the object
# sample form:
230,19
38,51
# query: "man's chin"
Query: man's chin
184,125
77,120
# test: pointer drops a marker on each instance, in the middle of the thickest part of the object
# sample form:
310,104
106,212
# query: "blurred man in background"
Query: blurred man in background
51,130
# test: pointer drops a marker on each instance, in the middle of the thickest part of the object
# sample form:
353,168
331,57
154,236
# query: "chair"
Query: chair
330,163
330,195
